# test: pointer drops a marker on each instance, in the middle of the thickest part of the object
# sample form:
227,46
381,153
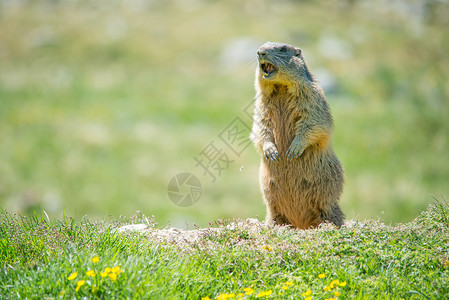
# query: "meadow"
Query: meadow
84,259
103,102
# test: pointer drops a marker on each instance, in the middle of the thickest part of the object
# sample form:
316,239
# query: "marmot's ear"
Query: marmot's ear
297,52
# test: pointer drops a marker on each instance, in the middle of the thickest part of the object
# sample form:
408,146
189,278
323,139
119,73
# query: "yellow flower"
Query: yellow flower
90,273
336,294
307,293
446,263
308,298
205,298
342,283
79,284
268,248
107,270
284,287
289,283
321,275
248,290
262,294
330,299
115,269
113,276
240,295
334,283
104,274
95,259
73,276
327,288
225,296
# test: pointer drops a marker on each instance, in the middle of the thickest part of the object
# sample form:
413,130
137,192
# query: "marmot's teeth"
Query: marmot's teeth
267,68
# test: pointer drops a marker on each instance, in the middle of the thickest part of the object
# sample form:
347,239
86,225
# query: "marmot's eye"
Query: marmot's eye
283,49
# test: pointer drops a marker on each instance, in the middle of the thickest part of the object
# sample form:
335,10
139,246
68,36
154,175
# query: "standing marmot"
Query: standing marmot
300,177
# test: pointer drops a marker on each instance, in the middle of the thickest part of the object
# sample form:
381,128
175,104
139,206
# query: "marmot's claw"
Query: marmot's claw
292,154
272,155
295,150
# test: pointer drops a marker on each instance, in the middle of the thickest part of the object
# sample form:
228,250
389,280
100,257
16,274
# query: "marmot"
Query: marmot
301,178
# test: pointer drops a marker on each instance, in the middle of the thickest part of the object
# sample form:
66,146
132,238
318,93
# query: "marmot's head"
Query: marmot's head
282,64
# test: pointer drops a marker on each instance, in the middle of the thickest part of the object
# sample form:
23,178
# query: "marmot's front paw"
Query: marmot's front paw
271,153
295,149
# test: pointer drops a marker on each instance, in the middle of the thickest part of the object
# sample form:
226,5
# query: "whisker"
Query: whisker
251,61
278,60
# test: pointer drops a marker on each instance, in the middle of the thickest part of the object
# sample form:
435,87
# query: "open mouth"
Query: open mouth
267,68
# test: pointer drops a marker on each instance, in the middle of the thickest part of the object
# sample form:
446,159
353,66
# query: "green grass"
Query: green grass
370,260
101,104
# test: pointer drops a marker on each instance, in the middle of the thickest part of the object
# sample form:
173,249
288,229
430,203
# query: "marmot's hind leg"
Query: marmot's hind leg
335,216
274,218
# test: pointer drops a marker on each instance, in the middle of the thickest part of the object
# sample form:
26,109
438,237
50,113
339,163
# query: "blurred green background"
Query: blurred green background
103,102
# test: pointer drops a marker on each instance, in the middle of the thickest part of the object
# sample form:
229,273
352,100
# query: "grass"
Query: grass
368,260
96,119
101,104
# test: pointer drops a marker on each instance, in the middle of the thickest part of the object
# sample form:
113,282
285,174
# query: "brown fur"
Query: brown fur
293,118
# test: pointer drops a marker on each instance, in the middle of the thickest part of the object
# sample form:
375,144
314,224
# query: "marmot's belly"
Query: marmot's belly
288,178
301,184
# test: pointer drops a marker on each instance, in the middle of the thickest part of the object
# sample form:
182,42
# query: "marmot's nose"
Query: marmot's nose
262,53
